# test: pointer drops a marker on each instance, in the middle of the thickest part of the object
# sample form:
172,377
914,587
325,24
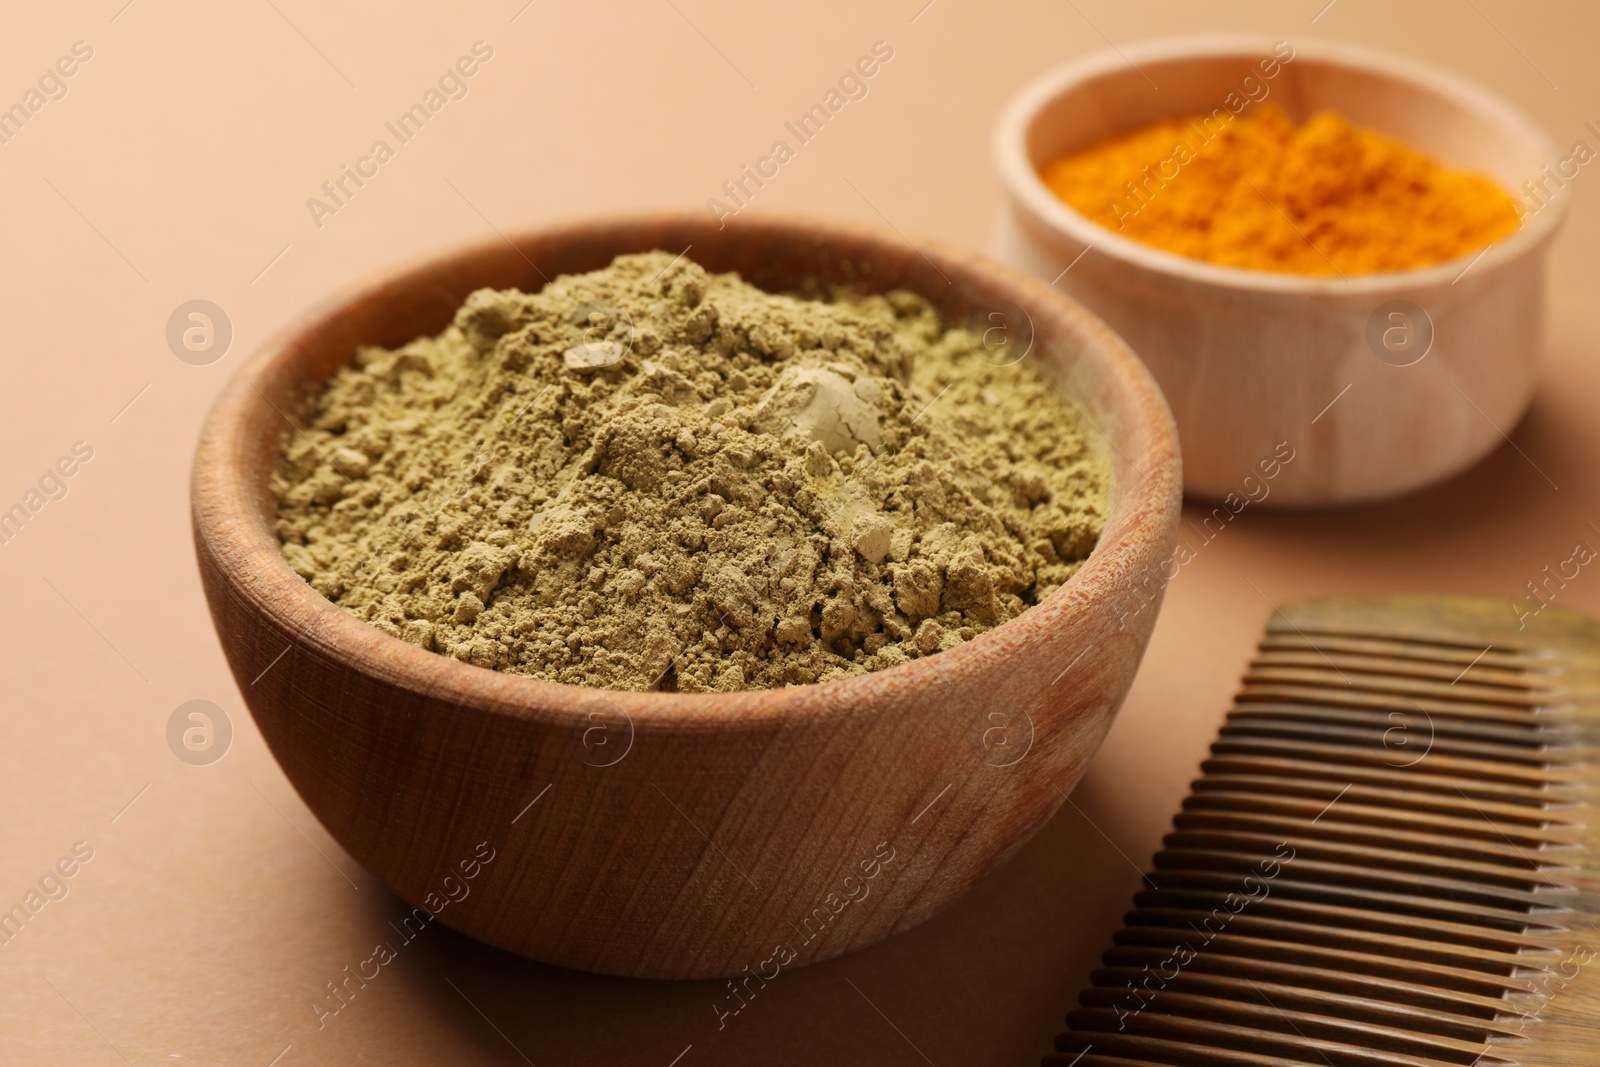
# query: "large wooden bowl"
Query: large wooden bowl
667,834
1256,361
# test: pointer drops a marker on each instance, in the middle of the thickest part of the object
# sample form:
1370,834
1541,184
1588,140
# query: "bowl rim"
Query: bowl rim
1027,190
233,537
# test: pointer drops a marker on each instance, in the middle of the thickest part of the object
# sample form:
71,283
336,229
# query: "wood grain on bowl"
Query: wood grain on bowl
685,835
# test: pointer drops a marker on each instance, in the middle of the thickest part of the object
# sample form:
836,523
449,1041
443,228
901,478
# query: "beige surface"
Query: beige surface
207,920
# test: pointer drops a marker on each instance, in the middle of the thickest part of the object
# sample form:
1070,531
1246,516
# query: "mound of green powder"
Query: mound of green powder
650,477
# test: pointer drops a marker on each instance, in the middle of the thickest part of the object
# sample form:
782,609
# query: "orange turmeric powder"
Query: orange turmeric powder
1262,194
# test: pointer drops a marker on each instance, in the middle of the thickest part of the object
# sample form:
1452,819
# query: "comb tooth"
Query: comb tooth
1452,933
1250,924
1334,959
1205,993
1376,802
1306,976
1331,693
1264,1024
1384,859
1352,817
1449,649
1213,1058
1376,743
1484,772
1356,875
1232,1046
1355,896
1335,681
1092,1059
1544,728
1479,673
1514,738
1337,827
1526,787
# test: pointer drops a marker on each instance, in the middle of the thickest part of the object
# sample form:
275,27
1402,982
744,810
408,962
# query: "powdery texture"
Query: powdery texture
651,477
1263,194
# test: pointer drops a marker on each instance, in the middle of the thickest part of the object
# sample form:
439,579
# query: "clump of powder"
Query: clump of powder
653,477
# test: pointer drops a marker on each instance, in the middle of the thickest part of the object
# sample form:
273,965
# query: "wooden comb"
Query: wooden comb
1388,862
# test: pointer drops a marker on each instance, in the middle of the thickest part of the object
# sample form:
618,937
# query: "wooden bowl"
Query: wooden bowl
1252,361
680,835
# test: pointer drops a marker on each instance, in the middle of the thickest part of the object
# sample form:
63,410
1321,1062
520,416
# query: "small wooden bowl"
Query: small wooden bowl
1251,359
679,835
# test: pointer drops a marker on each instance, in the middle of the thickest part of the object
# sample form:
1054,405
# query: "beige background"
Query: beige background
177,167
